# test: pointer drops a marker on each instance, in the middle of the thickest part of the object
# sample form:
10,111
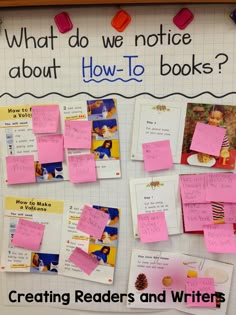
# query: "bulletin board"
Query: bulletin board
151,60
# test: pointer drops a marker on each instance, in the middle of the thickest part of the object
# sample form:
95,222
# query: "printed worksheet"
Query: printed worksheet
103,249
46,212
158,280
153,194
156,122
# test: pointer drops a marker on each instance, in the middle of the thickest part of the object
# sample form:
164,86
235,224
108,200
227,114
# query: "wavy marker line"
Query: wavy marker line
117,79
118,94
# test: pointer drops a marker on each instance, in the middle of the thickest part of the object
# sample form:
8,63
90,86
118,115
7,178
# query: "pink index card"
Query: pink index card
45,119
206,287
83,260
196,215
20,169
92,221
152,227
207,139
157,155
28,235
82,168
221,187
230,212
50,148
219,238
77,134
193,188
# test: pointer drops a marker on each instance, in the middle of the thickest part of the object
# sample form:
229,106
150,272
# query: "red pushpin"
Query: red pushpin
63,22
183,18
121,20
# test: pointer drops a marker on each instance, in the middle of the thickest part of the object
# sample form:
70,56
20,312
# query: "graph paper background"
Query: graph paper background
212,32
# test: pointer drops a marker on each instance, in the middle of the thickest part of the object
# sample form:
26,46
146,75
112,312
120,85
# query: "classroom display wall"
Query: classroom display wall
152,60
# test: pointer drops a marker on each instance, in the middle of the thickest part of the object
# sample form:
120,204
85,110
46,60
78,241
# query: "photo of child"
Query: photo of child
215,115
106,150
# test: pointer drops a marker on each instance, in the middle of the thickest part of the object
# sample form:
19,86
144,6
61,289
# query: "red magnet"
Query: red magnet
183,18
121,20
63,22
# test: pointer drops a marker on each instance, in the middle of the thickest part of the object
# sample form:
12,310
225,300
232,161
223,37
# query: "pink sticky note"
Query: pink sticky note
28,234
82,168
221,187
193,188
50,148
20,169
45,119
230,212
83,260
77,134
152,227
207,139
219,238
92,221
204,286
196,215
157,155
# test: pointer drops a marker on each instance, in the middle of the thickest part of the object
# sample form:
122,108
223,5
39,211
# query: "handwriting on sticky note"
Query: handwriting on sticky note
219,238
207,139
50,148
196,215
230,212
157,155
204,286
152,227
193,188
83,260
45,119
82,168
221,187
77,134
92,221
28,234
20,169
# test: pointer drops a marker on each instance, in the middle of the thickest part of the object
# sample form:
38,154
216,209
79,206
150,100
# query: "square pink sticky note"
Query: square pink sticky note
219,238
83,260
230,212
93,221
20,169
207,139
28,235
50,148
221,187
196,215
78,134
193,188
45,119
206,287
152,227
157,155
82,168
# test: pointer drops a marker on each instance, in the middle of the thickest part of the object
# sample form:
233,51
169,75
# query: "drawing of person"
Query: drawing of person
104,151
105,128
101,255
106,108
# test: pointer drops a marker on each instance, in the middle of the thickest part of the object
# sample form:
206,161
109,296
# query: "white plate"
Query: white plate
193,160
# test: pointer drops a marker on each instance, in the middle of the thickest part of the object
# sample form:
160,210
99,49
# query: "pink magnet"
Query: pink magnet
183,18
63,22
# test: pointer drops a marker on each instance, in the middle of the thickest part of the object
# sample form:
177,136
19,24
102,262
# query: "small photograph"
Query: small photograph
106,150
105,129
106,255
48,172
113,214
44,263
109,237
215,115
101,109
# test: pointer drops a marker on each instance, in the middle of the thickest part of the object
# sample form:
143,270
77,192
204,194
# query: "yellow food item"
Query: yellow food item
203,157
167,281
192,274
